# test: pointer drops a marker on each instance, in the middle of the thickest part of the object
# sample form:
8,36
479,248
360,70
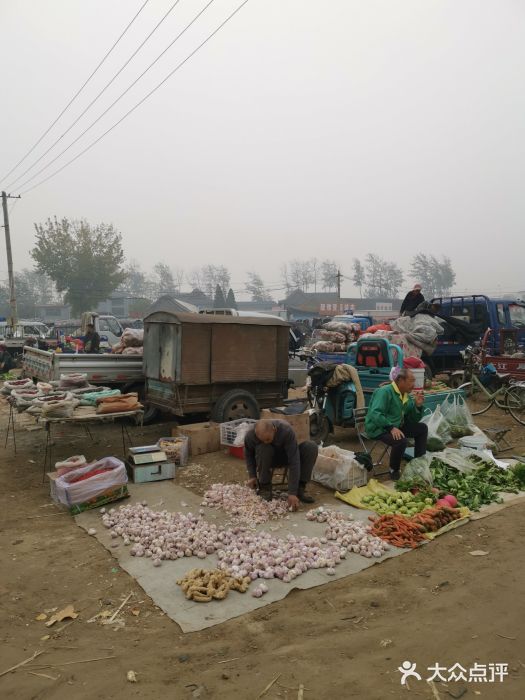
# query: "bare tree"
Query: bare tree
208,277
329,271
436,276
255,286
164,279
358,277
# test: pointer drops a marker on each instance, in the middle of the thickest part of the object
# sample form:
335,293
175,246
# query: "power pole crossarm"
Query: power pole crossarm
12,295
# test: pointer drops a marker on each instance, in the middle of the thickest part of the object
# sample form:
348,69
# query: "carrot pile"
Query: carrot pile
401,531
433,519
397,530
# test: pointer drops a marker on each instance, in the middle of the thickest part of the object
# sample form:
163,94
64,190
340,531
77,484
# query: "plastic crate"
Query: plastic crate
230,430
237,451
176,448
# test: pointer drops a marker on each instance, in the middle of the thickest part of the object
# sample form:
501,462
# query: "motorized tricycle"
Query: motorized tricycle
333,397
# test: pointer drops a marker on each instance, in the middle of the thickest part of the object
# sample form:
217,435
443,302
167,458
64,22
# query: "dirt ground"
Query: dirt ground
345,639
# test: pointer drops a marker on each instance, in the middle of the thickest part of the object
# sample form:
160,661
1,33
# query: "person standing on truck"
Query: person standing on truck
272,444
91,340
412,300
394,415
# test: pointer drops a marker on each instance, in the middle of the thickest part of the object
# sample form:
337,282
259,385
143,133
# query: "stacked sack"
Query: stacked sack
130,343
336,336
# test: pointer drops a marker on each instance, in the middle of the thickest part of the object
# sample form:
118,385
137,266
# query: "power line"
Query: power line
118,98
210,36
76,94
93,101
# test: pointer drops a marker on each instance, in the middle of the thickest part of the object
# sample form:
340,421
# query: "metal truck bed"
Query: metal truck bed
100,369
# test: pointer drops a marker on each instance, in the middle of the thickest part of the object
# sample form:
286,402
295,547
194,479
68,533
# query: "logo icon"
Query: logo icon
408,670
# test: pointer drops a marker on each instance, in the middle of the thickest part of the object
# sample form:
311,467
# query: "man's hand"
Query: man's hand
252,483
397,434
293,502
419,399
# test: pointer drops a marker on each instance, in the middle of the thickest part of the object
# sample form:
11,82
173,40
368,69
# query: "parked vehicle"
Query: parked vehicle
103,369
224,365
123,372
485,387
15,337
373,358
469,318
107,326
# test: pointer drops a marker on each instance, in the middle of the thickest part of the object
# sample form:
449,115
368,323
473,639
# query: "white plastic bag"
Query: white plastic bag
69,464
458,416
70,493
438,430
338,469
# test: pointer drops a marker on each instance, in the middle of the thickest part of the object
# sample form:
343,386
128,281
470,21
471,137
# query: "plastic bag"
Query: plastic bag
456,459
240,433
419,468
338,469
69,491
438,430
458,416
73,381
91,398
74,462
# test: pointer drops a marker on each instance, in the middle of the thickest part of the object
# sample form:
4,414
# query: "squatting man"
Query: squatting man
271,444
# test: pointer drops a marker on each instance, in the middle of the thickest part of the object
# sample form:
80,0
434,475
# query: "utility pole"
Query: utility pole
12,296
339,275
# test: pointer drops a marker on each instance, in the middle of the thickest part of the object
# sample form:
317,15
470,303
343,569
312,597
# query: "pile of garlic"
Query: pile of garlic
354,535
244,504
164,535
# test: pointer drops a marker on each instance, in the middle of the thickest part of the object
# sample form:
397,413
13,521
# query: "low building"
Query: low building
49,313
308,305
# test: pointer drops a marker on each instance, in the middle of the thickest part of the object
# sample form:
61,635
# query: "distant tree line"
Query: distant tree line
80,264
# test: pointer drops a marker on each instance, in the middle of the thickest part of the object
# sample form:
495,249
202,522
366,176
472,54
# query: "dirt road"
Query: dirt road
345,639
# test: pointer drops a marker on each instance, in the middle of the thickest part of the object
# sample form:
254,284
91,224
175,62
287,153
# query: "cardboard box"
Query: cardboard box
204,437
300,423
143,473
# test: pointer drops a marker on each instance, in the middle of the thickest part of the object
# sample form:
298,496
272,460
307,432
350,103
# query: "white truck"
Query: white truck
108,327
15,337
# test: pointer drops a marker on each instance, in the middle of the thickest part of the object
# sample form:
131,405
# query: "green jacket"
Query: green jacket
387,411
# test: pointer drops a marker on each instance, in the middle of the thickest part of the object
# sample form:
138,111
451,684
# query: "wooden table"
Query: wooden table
84,419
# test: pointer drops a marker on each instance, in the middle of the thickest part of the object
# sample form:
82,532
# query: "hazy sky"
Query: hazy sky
302,129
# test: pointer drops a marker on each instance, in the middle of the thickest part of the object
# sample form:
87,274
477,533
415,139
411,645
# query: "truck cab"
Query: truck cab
108,327
478,313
